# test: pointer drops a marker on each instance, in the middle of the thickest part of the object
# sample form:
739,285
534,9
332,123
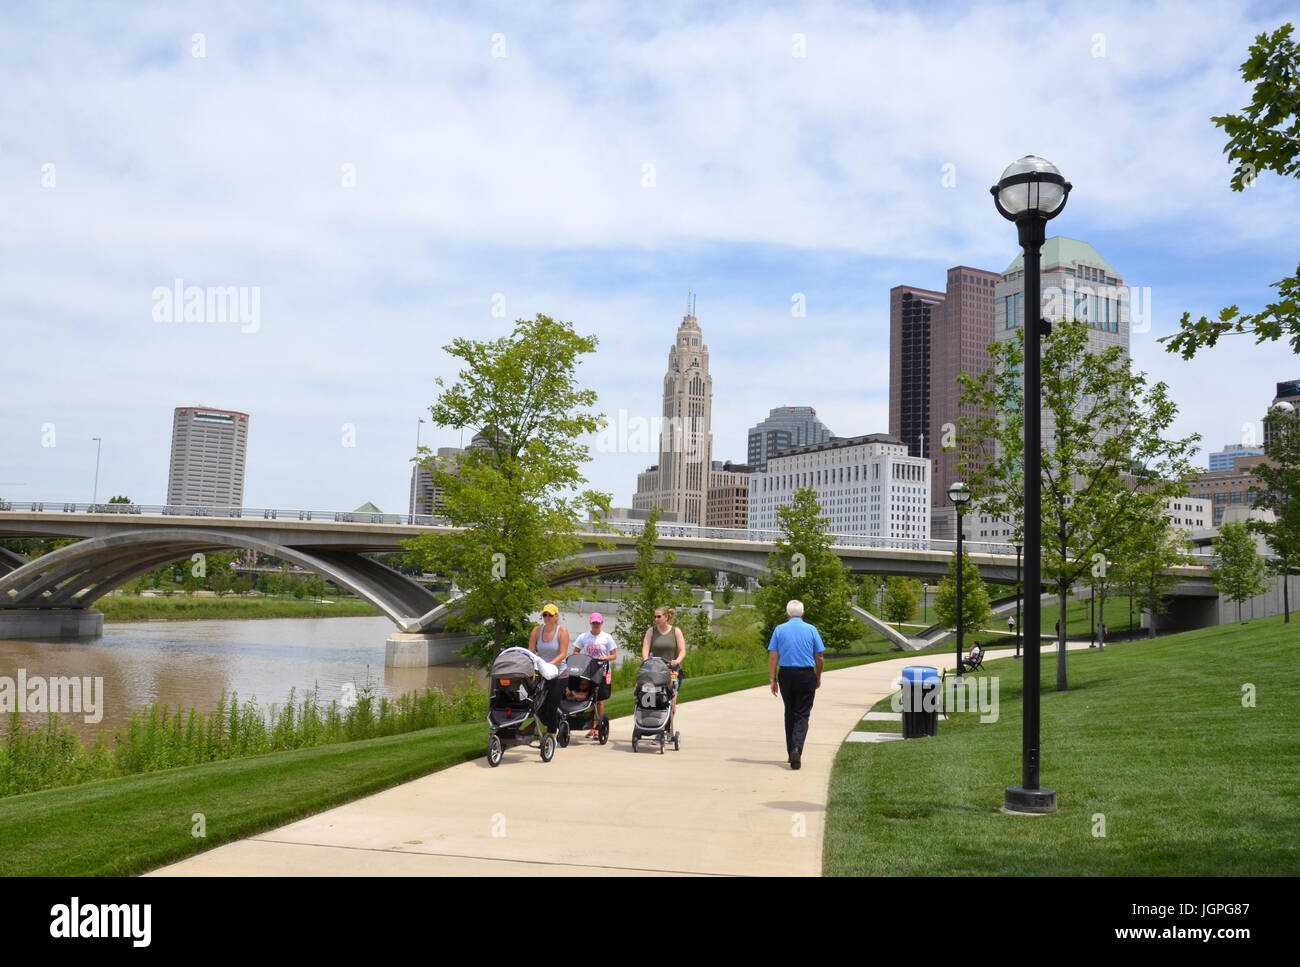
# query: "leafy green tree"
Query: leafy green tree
1280,482
1238,568
975,610
517,492
314,587
728,594
902,595
1140,565
1264,137
119,500
804,567
1106,462
652,585
702,634
220,583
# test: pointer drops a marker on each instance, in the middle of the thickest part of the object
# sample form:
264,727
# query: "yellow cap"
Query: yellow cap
550,609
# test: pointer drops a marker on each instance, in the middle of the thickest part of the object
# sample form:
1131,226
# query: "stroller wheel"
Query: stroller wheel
634,740
563,734
495,750
548,748
604,730
677,742
663,742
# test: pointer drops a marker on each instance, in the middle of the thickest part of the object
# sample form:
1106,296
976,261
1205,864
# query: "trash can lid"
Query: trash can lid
919,673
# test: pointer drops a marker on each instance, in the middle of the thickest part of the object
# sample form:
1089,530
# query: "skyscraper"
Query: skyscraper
910,320
1288,392
785,427
207,457
960,333
1077,283
933,337
680,481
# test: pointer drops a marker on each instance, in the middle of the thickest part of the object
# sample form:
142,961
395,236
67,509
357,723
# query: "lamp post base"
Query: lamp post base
1030,802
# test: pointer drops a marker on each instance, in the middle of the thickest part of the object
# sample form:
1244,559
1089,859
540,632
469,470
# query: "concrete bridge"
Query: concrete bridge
51,597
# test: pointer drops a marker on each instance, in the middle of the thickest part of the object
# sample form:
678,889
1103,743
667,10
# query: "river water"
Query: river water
190,663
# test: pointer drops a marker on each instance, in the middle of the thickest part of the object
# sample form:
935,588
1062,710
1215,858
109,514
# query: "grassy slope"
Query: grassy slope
1151,735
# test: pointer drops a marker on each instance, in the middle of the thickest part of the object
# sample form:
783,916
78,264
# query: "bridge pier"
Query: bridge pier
37,623
420,650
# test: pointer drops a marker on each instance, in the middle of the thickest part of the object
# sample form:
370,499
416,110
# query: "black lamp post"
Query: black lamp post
959,494
1030,192
1019,593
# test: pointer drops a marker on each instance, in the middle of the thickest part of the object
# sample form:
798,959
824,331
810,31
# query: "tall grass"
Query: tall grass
33,758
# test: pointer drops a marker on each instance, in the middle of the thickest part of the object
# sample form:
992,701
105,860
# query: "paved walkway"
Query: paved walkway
726,804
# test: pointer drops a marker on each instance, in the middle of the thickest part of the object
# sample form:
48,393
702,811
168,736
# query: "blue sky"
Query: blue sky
524,175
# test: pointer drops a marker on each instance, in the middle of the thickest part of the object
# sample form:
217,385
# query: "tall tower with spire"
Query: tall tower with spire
680,482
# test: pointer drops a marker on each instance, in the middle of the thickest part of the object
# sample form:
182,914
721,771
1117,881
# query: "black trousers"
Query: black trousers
549,713
798,689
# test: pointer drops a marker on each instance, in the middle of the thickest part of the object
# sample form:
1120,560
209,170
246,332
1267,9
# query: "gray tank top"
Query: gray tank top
549,649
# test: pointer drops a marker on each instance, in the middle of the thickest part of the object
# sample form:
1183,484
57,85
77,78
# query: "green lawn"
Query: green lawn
1152,736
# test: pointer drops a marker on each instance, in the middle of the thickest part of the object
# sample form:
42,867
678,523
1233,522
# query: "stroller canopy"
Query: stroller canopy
583,666
513,663
654,671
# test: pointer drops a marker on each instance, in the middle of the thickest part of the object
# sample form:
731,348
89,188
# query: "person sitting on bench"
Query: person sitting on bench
973,660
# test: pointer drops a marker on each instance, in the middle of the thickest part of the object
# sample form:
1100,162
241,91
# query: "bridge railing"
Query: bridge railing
631,527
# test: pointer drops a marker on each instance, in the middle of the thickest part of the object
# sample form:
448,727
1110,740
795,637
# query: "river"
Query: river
190,663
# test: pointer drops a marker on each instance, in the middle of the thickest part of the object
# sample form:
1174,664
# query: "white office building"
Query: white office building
866,485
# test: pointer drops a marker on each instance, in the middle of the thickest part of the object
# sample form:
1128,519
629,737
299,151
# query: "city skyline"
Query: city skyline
792,230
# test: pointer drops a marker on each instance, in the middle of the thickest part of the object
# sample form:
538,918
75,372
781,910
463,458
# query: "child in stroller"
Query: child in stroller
517,691
585,687
656,696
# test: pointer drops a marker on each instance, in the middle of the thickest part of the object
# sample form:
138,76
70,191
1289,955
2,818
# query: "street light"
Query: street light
1019,595
95,493
1030,193
959,494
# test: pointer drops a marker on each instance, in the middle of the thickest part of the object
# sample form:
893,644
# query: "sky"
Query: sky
379,179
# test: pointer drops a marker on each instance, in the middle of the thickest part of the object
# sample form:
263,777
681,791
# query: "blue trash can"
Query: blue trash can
920,701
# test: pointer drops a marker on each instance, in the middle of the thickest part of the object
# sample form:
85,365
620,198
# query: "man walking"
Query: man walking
797,648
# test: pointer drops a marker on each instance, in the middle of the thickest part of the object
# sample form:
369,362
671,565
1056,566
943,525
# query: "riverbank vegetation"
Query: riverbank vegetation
184,607
42,757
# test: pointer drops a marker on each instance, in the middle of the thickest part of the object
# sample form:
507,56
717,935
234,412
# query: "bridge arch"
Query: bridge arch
78,575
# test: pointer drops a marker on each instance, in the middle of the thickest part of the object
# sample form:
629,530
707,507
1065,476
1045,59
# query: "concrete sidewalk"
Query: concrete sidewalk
726,804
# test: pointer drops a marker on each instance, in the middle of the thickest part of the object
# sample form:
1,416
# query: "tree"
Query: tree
1141,565
1238,568
728,594
119,500
975,610
1264,137
517,490
1106,463
803,567
1280,477
902,595
655,588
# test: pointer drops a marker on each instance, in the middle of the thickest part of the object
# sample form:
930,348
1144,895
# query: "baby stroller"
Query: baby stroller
656,694
587,683
516,696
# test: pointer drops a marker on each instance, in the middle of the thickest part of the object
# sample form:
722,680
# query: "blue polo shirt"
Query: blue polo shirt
795,643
